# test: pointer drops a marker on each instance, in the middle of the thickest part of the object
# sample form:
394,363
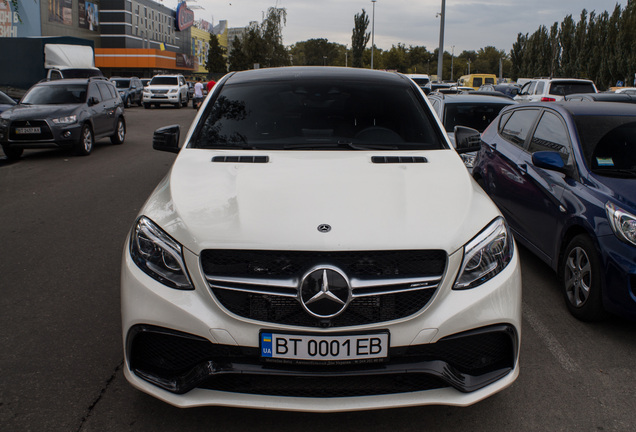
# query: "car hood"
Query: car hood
281,203
161,87
623,190
26,112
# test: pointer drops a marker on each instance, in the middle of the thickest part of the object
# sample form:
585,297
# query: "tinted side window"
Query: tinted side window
93,92
551,135
489,81
518,126
531,87
477,81
103,89
112,90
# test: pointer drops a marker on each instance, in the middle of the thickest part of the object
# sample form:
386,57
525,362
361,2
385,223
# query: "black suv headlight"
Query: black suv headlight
486,255
158,255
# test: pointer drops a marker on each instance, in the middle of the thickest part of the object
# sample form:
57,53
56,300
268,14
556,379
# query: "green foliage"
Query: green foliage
215,63
599,47
359,38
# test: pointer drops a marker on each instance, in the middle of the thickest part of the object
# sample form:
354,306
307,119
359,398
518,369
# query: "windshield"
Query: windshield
164,81
55,94
81,73
317,115
121,83
6,100
472,115
564,88
609,144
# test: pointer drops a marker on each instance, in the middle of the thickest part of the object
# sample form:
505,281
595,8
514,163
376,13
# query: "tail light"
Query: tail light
547,99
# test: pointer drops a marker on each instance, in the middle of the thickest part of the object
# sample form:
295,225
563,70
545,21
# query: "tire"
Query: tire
185,104
147,105
120,132
127,102
12,153
84,146
179,103
582,279
140,101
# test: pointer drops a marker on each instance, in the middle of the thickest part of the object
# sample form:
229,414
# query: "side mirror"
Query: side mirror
467,139
167,139
92,101
549,160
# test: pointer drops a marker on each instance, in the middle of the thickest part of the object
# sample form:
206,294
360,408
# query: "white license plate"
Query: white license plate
27,130
323,347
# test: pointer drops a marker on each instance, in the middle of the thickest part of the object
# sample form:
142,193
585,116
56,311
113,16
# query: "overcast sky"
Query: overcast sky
469,25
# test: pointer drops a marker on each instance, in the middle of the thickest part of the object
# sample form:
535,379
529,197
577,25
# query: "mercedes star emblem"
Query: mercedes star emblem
324,228
325,292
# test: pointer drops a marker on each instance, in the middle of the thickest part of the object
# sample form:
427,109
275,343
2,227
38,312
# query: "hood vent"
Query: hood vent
398,159
241,159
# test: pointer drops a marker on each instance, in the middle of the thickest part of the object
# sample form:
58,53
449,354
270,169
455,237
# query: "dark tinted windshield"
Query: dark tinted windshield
81,73
563,88
164,81
121,83
608,143
55,94
472,115
317,115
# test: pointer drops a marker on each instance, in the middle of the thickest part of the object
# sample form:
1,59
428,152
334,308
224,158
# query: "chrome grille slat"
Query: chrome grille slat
264,285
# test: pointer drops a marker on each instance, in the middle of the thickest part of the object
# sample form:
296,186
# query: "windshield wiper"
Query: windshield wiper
615,171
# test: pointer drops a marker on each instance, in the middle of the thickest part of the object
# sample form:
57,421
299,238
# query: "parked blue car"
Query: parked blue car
564,176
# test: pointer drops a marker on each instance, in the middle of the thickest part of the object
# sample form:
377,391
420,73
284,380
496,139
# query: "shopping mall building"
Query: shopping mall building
130,37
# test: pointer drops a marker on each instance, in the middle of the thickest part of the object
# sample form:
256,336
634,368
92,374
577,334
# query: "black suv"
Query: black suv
67,113
131,90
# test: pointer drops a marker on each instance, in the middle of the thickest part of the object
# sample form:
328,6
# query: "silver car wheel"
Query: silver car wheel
578,277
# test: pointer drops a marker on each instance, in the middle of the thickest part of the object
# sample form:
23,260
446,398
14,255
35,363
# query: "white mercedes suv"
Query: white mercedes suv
166,89
318,245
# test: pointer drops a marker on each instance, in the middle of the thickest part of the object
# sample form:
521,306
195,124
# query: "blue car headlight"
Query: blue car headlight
622,222
158,255
486,255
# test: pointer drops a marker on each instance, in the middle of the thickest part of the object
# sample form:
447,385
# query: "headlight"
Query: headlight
65,120
4,122
158,254
622,222
173,90
486,255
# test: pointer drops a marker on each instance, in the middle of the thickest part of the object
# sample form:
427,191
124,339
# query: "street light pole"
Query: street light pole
452,60
440,55
373,32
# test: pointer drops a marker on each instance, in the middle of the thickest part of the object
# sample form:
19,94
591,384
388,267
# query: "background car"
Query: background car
472,110
510,90
130,90
66,113
318,246
145,81
564,176
553,89
6,102
601,97
421,80
166,89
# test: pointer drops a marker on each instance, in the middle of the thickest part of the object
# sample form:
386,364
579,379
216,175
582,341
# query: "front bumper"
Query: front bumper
619,290
171,98
184,348
50,135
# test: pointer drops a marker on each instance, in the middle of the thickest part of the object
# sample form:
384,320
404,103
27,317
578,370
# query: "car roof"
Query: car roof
308,73
68,81
576,108
602,96
473,97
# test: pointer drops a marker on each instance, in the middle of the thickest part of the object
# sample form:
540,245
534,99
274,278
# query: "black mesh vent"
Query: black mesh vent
286,310
324,386
398,159
241,159
356,264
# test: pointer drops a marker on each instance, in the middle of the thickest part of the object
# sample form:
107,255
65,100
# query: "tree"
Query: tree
316,52
359,38
237,58
215,63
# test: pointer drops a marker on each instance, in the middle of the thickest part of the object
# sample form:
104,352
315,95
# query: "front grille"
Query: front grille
45,131
180,362
159,92
263,285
